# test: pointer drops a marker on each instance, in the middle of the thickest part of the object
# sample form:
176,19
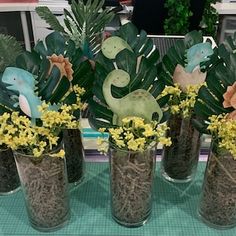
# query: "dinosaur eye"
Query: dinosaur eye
14,78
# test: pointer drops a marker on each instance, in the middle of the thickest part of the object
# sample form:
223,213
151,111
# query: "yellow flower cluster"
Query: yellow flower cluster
136,135
224,130
79,92
64,118
18,132
180,102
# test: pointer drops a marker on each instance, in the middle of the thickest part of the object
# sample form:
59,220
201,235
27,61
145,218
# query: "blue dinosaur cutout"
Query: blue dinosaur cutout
24,83
196,54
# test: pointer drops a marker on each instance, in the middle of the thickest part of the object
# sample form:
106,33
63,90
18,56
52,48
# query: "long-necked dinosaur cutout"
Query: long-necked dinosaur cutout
138,103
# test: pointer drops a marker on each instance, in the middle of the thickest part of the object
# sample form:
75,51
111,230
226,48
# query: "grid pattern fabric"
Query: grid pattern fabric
173,212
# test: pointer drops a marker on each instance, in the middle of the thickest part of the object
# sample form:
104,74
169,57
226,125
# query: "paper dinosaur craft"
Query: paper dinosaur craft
197,54
137,103
24,83
113,45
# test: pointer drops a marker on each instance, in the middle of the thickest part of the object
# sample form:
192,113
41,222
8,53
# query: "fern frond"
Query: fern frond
10,48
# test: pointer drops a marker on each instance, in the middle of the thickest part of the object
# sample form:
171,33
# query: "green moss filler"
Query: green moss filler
113,45
137,103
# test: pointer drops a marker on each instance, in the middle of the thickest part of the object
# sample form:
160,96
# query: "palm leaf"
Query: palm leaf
84,23
45,13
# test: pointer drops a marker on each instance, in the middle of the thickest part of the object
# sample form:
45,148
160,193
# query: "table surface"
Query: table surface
173,213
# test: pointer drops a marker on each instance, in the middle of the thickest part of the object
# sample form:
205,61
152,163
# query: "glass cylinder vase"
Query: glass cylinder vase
45,188
131,183
179,161
217,206
9,179
74,152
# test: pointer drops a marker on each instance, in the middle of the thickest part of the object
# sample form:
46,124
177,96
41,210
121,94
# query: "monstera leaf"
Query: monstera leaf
137,59
210,97
227,47
83,24
51,86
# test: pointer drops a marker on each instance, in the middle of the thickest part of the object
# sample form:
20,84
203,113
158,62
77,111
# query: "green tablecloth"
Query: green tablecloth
173,213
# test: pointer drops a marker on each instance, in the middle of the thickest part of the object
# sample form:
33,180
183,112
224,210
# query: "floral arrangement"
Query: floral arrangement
135,135
125,104
216,103
48,80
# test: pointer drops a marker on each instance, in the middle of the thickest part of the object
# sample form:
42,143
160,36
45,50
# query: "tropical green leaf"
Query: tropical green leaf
55,43
230,43
29,61
202,110
3,109
84,22
70,99
100,111
211,101
6,102
96,123
126,60
200,126
192,38
45,13
60,91
50,84
157,88
10,48
215,87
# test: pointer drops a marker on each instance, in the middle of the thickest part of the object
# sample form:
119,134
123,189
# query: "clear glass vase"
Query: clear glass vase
74,152
9,179
179,161
131,183
217,205
45,188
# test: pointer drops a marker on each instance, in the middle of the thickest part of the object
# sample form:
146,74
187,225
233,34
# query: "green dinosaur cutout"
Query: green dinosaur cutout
113,45
138,103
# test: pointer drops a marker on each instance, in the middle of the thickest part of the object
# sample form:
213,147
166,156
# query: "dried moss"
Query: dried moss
45,187
131,186
179,161
9,179
218,201
74,151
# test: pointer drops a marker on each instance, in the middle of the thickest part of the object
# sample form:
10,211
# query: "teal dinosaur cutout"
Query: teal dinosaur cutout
24,83
196,54
138,103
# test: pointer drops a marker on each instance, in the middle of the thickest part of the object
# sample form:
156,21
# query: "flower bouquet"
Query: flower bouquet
46,102
125,106
182,73
59,55
215,107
